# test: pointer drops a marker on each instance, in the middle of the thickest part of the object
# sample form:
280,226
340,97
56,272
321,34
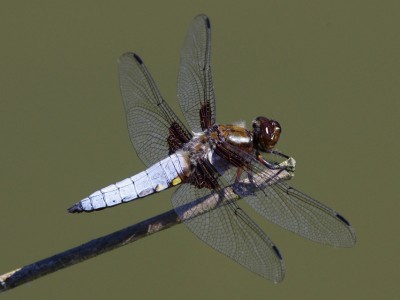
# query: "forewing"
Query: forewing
217,220
285,205
154,129
195,85
303,215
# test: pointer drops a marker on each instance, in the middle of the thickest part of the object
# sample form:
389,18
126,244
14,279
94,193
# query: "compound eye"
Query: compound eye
267,132
275,132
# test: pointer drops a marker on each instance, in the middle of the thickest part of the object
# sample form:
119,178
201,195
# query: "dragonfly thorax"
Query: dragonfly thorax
236,135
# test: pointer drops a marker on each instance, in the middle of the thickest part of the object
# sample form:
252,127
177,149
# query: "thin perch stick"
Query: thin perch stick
88,250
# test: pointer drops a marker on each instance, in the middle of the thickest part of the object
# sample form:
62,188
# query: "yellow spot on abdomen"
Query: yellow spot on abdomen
176,181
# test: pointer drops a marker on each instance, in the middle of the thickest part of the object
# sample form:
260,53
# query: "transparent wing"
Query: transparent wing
195,85
154,129
285,205
303,215
217,220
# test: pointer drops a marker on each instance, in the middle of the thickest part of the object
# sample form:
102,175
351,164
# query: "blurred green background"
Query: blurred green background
327,70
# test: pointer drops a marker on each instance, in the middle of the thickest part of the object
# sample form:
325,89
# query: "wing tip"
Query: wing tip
129,56
277,252
352,239
343,219
205,18
137,57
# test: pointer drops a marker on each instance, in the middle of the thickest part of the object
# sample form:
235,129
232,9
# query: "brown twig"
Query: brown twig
88,250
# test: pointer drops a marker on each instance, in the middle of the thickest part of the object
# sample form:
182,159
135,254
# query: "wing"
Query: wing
229,230
154,129
303,215
286,206
195,85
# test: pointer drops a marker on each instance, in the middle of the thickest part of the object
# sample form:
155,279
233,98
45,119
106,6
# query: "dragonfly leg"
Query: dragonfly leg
276,152
287,165
238,174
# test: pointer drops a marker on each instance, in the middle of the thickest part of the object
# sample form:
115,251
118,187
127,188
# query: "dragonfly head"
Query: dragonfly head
266,133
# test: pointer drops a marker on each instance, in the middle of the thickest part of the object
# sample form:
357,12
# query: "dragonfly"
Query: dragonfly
214,165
